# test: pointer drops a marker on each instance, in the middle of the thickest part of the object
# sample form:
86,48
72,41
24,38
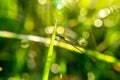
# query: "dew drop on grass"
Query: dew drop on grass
98,23
25,43
49,29
54,68
104,13
60,30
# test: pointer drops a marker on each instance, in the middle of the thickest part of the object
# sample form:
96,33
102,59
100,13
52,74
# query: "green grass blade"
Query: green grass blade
94,54
49,56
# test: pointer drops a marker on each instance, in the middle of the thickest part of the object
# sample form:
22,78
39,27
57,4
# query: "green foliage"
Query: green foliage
86,40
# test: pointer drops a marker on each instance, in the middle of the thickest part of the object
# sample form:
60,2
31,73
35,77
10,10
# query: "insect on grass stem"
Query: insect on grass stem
67,41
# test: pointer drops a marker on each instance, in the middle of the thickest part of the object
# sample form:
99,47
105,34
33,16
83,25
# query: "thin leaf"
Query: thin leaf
49,56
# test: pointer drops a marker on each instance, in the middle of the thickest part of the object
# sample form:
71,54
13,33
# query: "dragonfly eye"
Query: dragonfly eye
66,39
82,42
57,38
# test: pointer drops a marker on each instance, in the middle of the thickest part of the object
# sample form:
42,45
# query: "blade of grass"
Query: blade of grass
95,54
49,56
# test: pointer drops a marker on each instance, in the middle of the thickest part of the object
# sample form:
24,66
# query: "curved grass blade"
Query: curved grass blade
49,56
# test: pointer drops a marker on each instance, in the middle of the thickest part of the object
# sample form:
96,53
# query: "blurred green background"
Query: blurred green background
26,25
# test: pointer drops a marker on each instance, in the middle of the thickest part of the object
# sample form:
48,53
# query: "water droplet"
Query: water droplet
25,43
104,13
55,68
49,29
60,30
98,23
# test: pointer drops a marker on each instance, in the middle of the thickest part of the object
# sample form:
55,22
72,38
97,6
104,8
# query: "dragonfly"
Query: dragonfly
71,42
67,40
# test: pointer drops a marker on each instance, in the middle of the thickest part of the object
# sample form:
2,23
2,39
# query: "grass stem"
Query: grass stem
49,56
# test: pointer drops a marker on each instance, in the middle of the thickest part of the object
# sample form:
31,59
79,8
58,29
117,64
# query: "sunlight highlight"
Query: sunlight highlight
104,13
7,34
1,69
55,68
59,6
42,2
61,76
60,30
107,58
98,23
49,29
36,38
